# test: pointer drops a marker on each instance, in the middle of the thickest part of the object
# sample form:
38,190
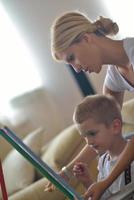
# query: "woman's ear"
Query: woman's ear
87,37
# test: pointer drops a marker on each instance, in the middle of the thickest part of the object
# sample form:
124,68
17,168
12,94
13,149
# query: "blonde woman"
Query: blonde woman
85,45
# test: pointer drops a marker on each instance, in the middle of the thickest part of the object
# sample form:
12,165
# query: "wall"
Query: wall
33,19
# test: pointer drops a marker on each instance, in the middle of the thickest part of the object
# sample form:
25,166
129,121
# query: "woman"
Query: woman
82,44
85,46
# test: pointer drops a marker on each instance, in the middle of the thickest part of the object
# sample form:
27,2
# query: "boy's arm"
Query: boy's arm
86,155
81,171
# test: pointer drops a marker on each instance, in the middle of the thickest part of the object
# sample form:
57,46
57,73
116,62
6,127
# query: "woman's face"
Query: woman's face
83,56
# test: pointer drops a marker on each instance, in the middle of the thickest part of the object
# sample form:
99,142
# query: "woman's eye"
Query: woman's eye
71,58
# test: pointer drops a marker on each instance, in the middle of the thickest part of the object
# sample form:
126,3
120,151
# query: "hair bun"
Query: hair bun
107,26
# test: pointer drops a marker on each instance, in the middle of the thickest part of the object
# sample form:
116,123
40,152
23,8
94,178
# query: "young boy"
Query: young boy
98,119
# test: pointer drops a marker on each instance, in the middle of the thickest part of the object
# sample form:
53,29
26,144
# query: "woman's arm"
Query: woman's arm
127,156
125,159
117,95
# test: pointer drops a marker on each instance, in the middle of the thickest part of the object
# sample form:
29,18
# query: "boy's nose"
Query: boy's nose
90,141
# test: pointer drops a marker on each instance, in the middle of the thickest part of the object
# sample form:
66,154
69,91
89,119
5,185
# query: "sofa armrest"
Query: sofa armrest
36,191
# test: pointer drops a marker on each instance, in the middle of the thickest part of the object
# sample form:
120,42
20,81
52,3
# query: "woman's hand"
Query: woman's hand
95,191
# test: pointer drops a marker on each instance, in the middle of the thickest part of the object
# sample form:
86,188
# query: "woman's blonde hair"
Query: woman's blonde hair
101,108
69,27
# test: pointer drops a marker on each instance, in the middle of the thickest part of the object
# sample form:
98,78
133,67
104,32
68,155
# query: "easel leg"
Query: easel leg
2,183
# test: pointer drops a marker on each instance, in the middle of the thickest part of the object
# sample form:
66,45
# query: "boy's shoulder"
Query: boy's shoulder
104,157
102,161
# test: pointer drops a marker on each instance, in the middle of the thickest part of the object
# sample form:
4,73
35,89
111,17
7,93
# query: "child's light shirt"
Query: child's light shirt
105,166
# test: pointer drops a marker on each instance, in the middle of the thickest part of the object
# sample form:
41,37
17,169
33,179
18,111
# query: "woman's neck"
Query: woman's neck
113,52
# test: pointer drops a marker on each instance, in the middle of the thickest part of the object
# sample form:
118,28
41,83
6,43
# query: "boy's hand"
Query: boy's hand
50,187
80,170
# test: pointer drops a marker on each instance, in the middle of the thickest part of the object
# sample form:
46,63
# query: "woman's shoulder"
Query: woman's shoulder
112,73
113,80
128,44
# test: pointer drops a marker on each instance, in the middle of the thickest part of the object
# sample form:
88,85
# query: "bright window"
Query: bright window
122,13
18,68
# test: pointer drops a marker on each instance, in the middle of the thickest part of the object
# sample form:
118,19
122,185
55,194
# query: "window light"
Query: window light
18,68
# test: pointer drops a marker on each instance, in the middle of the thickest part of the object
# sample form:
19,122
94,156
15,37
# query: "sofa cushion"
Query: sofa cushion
21,128
128,112
36,192
18,172
58,152
127,128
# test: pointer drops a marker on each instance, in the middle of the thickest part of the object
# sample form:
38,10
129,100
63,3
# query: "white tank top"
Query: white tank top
114,80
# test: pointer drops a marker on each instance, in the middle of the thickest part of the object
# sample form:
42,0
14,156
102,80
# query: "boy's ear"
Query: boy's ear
117,125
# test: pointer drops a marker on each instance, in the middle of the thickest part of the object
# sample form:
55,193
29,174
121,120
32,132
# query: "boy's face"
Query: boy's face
98,135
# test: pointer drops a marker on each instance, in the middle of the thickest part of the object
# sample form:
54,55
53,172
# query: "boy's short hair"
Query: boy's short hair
103,109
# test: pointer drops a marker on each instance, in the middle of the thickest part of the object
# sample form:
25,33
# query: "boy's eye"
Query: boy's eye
91,133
